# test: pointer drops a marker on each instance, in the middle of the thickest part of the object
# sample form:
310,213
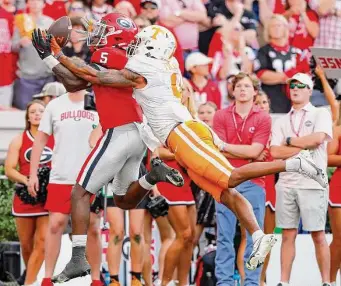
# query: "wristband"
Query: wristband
57,56
50,61
288,141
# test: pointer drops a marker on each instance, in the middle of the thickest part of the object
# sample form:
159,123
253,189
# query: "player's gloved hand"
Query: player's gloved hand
56,49
41,42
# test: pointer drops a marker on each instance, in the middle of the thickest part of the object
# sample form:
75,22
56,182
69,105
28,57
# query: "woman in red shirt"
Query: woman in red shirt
31,220
303,24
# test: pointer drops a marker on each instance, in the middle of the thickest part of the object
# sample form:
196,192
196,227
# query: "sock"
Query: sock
333,283
114,277
285,284
33,284
256,235
146,184
291,165
137,275
46,281
96,283
79,240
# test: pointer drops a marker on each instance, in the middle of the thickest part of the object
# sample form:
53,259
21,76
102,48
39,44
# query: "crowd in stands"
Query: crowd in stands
271,38
217,40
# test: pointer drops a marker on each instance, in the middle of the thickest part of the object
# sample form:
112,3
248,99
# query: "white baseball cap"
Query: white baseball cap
51,89
197,59
302,78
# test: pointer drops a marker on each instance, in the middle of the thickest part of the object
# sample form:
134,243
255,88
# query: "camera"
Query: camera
90,100
316,79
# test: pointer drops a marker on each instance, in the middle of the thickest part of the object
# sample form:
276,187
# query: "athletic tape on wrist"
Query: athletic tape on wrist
51,62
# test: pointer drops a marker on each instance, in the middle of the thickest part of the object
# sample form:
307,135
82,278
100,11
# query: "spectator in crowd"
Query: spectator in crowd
166,238
142,22
303,24
77,9
304,127
32,73
205,89
329,35
184,16
50,91
151,10
71,126
206,215
76,46
277,61
7,58
126,8
55,8
263,102
98,9
229,50
31,220
246,130
235,12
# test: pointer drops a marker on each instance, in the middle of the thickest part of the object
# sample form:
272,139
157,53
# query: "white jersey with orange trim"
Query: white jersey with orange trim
160,99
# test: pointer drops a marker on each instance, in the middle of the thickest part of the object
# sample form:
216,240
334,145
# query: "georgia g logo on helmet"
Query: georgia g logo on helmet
124,23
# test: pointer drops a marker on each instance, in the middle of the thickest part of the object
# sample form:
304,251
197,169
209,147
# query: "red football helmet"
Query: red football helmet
114,29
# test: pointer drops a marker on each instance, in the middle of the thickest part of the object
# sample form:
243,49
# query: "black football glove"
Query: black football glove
41,44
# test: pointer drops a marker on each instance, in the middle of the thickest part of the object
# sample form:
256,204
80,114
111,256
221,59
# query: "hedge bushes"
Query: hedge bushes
7,225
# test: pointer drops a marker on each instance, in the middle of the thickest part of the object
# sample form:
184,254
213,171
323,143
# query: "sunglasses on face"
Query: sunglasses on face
298,85
147,7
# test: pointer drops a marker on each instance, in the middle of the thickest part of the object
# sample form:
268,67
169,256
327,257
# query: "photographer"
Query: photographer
31,219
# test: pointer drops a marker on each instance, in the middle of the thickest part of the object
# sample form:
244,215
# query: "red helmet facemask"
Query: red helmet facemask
112,30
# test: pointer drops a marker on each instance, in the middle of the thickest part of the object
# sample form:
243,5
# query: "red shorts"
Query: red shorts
174,195
20,209
270,192
335,189
59,198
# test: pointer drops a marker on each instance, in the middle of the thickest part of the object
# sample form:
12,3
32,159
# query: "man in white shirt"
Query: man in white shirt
71,125
310,128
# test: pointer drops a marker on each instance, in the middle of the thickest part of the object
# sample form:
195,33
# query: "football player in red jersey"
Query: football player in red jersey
120,150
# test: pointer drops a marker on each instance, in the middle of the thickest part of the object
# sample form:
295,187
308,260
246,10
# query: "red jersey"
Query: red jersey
210,92
7,58
26,151
232,129
115,106
299,36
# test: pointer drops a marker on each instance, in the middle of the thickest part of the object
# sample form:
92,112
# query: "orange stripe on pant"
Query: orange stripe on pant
192,144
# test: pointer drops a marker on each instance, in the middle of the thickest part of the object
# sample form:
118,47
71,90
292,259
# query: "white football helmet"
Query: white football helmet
154,42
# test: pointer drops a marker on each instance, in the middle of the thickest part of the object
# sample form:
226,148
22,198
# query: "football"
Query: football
61,30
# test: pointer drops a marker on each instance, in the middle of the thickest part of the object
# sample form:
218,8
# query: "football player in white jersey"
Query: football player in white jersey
157,82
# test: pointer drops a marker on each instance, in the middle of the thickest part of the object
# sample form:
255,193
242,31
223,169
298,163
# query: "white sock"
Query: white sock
144,184
333,283
33,284
79,240
285,284
256,235
291,165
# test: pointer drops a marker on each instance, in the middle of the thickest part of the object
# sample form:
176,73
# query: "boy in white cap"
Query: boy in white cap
310,128
205,89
